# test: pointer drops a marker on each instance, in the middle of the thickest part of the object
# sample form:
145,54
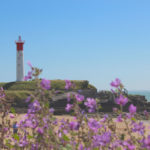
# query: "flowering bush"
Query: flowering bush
39,129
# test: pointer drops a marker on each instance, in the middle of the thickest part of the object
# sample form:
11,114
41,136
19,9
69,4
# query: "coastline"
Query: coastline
145,93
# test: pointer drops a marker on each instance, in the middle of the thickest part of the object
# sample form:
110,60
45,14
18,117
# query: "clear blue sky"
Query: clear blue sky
95,40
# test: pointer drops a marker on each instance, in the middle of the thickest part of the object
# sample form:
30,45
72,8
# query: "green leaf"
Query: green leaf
97,100
79,103
64,148
118,148
16,137
66,138
9,145
69,147
50,132
85,119
74,133
133,119
73,114
29,137
99,107
12,110
47,105
96,149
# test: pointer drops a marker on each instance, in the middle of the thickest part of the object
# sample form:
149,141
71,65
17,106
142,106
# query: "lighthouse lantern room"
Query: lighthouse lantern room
20,60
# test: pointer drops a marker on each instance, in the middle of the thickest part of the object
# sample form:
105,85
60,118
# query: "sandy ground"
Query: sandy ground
120,126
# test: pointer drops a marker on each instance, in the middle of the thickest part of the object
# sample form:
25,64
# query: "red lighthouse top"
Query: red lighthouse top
19,44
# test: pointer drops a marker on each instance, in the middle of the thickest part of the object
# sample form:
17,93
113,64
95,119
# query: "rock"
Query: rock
105,99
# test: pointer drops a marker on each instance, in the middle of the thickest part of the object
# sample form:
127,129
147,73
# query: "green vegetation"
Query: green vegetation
18,91
55,84
14,95
25,85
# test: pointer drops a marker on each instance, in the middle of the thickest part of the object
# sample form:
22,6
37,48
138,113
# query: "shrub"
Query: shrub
40,130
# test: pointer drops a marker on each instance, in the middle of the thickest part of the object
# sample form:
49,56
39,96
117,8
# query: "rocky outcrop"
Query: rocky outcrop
59,101
105,99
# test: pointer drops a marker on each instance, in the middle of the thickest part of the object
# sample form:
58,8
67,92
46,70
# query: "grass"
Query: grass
17,98
17,92
55,84
24,85
12,95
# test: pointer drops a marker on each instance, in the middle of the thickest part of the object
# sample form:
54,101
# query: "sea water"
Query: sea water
144,93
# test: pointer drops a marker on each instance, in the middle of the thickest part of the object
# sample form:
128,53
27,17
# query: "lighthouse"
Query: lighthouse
20,60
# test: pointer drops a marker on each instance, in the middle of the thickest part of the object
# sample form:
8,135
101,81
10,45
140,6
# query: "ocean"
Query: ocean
145,93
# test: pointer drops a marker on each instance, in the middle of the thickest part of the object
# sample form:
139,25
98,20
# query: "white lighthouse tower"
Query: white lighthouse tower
20,60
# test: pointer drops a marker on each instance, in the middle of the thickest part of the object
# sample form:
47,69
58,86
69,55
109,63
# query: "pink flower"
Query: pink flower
104,118
29,64
74,125
146,143
119,118
65,131
68,107
102,139
80,147
40,130
90,104
113,91
28,123
34,107
12,116
138,127
5,129
2,94
121,100
59,135
115,109
132,109
68,97
29,76
116,83
74,118
68,84
94,125
130,146
51,110
45,84
26,78
28,99
146,113
79,97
